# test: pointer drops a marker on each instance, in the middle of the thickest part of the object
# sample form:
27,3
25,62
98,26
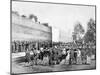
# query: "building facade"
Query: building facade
25,29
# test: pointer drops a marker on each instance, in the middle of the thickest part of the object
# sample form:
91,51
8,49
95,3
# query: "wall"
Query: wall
26,29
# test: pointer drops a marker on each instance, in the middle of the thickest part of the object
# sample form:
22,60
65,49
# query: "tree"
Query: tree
78,32
78,28
90,35
91,25
15,12
31,16
23,16
74,36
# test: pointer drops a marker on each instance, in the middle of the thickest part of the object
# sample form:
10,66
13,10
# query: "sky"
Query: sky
62,17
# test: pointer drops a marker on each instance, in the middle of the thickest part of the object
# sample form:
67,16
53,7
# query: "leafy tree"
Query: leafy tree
90,35
78,28
23,16
31,16
15,12
74,35
78,31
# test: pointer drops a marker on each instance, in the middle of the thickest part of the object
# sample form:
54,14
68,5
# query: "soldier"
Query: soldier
17,46
12,47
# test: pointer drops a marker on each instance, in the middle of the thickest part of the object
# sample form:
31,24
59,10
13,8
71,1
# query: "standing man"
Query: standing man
79,61
28,57
71,56
68,57
75,56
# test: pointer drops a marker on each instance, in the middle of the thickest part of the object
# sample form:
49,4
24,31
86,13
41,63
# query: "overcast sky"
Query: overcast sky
60,16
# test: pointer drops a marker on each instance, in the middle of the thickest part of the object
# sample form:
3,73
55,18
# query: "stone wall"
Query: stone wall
26,29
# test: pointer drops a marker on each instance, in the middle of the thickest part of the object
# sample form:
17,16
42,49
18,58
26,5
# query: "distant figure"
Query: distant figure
83,55
88,60
88,56
64,52
45,60
41,49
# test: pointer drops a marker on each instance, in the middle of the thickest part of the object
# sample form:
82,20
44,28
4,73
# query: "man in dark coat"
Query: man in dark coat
71,56
28,56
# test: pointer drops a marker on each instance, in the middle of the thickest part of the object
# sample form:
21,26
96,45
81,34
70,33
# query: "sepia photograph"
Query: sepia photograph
52,37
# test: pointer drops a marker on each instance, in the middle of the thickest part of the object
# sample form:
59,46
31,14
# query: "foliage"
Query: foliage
78,31
78,28
23,16
90,35
31,16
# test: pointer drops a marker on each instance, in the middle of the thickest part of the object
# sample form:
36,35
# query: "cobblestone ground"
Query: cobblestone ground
22,67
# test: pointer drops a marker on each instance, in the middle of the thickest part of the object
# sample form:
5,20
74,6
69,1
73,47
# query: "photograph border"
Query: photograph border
49,3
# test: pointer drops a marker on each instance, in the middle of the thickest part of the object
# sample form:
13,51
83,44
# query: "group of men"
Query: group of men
20,46
46,55
56,55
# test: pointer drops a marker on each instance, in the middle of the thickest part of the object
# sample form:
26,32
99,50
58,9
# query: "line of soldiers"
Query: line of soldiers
21,46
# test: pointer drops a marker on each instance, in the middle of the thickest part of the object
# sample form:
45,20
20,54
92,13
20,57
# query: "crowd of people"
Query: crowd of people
46,55
20,46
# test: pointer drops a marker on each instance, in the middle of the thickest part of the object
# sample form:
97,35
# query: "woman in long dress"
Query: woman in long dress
28,57
79,61
63,56
67,57
88,59
88,56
